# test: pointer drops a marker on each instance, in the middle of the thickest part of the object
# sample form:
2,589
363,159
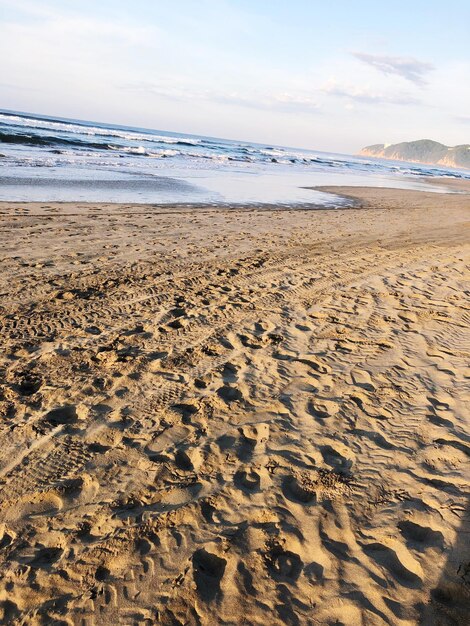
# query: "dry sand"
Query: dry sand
235,417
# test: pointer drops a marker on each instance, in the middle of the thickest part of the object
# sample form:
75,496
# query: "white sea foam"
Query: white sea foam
77,129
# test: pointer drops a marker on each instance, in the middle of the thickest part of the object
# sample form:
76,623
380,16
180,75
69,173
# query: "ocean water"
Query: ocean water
55,159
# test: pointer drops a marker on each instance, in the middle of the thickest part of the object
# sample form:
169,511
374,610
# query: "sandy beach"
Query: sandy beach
236,416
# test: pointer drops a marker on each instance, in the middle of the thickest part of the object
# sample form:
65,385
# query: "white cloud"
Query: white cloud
366,95
282,101
406,67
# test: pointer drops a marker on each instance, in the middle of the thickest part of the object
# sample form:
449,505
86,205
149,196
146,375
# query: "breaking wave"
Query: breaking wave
32,140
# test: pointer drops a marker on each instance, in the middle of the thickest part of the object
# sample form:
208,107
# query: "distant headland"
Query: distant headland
422,151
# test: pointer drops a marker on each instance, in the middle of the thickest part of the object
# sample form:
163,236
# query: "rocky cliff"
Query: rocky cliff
422,151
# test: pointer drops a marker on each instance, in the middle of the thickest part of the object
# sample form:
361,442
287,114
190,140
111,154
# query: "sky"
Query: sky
328,75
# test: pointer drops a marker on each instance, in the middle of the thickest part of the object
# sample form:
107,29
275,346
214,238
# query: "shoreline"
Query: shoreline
359,195
258,412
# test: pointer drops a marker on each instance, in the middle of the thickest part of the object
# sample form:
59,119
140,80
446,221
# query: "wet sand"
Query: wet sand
236,416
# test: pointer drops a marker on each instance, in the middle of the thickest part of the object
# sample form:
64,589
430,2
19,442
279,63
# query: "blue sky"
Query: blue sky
327,75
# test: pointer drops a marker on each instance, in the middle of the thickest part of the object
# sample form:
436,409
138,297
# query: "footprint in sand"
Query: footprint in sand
251,480
28,383
189,459
45,557
255,436
397,560
175,498
421,537
67,414
35,505
336,458
251,440
230,393
7,536
362,379
284,565
322,408
300,488
208,571
9,612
